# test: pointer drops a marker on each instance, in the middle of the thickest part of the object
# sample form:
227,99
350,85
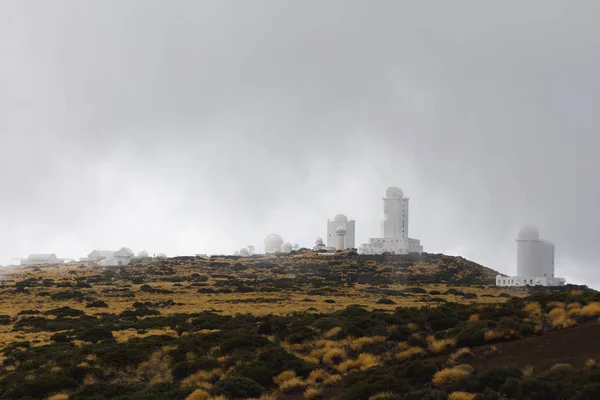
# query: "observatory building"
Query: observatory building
394,227
340,221
41,259
273,244
535,262
286,247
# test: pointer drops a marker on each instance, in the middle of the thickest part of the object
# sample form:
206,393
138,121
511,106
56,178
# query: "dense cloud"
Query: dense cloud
188,126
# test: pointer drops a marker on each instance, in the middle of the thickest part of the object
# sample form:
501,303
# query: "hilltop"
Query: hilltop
298,326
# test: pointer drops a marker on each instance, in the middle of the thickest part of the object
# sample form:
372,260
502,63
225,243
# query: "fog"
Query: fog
199,127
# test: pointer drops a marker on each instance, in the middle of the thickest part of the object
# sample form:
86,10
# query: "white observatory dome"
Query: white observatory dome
394,193
340,218
273,243
319,241
286,247
340,230
529,233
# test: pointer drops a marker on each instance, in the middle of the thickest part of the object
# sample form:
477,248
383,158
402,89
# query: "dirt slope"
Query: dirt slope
573,346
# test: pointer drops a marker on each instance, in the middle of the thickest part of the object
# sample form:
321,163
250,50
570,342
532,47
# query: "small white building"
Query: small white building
118,258
98,255
340,221
41,259
535,262
319,245
394,227
273,244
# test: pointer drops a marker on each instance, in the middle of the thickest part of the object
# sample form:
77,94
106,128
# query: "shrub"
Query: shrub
97,304
198,394
460,355
461,396
385,300
496,377
312,393
293,386
334,356
386,396
451,375
284,376
439,346
411,352
333,332
237,387
95,335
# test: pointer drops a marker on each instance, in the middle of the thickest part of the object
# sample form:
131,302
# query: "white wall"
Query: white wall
535,258
349,239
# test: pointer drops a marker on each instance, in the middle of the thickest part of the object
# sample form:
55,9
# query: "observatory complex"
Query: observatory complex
535,262
394,227
340,233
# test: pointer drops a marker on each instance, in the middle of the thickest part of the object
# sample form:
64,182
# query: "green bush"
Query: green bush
237,387
95,335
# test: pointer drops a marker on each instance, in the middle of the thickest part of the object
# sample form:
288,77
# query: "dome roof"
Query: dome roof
340,218
394,193
273,241
340,229
286,247
319,240
529,233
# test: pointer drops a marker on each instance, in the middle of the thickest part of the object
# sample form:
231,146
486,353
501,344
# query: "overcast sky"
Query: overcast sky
202,126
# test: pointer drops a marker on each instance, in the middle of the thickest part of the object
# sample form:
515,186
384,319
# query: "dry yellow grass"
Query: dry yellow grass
441,345
460,354
474,317
561,367
410,353
333,332
334,356
380,396
332,380
198,394
318,376
364,361
358,344
284,376
591,310
58,396
412,326
491,334
461,396
576,293
451,375
533,307
529,370
293,385
202,378
312,393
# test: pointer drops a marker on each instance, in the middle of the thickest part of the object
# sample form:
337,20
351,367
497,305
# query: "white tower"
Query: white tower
535,262
535,257
341,221
341,238
395,213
